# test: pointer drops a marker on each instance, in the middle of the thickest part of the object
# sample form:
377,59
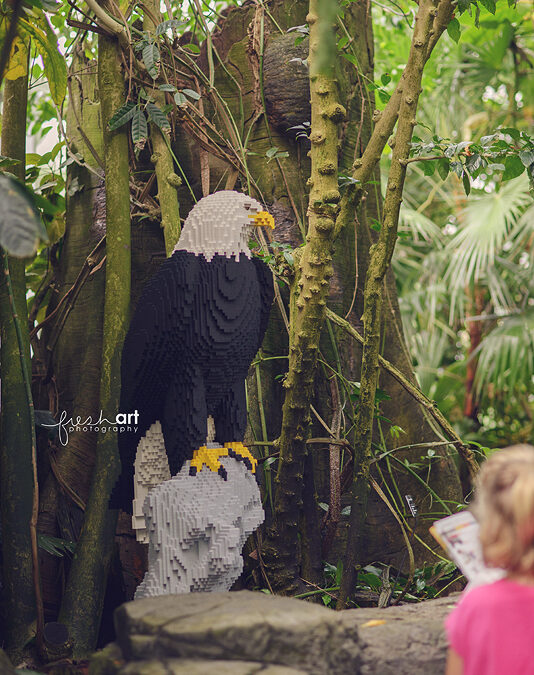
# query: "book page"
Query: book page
458,535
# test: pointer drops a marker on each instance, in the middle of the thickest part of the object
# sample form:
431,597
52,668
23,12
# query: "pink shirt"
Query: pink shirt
492,629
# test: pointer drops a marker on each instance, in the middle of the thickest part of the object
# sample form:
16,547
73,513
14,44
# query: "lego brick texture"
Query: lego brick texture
197,327
197,527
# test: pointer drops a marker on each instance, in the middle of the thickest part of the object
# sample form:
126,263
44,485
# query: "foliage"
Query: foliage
20,226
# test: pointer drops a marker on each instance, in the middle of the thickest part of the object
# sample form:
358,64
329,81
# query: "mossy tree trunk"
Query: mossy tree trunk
16,481
309,291
84,595
74,344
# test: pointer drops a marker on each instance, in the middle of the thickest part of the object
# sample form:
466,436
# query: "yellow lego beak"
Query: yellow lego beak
263,219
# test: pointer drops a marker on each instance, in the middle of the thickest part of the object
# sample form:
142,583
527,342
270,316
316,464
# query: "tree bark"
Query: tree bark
16,486
84,595
309,290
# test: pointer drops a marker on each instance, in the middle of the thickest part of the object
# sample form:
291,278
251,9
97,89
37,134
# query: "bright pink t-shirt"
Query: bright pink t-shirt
492,629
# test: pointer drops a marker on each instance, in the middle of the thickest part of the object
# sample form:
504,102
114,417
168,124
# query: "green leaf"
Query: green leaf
6,162
527,157
124,114
429,167
466,182
151,59
54,64
443,168
139,128
383,95
191,93
489,5
463,5
351,58
20,225
385,79
157,116
180,99
513,167
191,47
167,87
510,131
54,545
454,30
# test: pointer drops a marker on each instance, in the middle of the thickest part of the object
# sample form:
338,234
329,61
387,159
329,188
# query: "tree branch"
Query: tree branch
364,167
407,92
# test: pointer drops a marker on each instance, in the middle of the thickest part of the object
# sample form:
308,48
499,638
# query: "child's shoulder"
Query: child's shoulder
504,590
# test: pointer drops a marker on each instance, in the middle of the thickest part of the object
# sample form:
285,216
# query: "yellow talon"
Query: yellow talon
244,453
208,457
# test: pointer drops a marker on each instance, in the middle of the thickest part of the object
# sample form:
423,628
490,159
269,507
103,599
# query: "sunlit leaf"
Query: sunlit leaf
18,60
55,67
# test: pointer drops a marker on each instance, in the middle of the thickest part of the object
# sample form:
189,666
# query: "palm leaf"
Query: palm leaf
506,356
486,224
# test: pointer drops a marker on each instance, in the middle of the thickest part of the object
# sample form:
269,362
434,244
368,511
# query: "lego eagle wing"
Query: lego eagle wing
150,354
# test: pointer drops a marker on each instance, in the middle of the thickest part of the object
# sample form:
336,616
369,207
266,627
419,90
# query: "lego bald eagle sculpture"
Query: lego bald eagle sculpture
197,327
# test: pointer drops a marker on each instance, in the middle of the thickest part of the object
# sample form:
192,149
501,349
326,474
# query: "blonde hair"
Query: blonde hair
504,507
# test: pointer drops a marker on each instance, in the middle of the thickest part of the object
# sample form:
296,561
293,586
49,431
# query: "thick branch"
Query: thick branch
168,181
313,267
364,167
380,259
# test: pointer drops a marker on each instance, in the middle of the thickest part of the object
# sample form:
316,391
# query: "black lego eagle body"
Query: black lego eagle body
198,324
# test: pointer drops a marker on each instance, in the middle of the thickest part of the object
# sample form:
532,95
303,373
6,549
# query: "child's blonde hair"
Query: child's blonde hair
504,506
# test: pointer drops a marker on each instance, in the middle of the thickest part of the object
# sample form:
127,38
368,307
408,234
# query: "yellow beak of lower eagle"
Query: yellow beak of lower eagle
263,219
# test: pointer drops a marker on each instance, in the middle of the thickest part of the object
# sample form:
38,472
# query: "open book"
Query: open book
458,535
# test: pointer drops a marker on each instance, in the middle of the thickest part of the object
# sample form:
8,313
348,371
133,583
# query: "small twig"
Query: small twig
89,27
409,160
83,274
463,450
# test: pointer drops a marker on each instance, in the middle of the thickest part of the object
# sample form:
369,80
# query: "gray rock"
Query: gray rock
405,640
240,626
190,667
246,633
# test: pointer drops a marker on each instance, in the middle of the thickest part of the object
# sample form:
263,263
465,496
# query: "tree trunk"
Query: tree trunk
84,595
16,487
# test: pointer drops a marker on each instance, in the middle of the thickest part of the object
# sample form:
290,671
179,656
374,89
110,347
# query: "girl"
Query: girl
491,631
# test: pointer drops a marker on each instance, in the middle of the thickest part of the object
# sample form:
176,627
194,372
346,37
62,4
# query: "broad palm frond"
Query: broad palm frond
486,224
506,356
420,226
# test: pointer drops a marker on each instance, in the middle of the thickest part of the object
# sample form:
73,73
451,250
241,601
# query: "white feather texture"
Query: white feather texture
219,223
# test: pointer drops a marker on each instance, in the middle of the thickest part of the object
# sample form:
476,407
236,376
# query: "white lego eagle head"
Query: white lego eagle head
222,223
